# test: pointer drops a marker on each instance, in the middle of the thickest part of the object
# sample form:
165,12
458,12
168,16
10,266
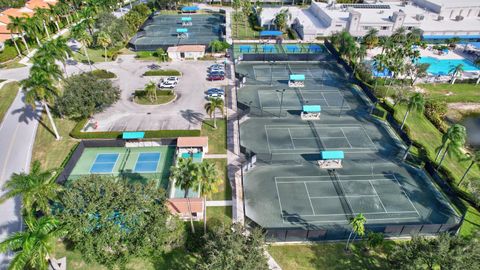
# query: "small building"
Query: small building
181,207
186,52
192,145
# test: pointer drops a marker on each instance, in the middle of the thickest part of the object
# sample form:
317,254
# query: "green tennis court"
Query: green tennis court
307,48
161,31
136,164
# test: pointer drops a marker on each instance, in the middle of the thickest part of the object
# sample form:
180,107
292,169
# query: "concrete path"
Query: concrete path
272,264
215,156
219,203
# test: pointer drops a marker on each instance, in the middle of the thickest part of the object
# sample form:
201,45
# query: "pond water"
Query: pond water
472,123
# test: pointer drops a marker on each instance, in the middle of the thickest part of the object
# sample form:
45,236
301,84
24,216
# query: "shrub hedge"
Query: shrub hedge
78,134
103,74
166,72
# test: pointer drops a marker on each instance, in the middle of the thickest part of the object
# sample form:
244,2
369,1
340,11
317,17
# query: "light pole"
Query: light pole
281,101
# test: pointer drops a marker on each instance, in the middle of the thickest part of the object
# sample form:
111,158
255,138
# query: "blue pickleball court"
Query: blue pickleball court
147,162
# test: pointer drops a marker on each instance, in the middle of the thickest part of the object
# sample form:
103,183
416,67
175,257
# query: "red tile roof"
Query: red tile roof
180,205
192,141
187,48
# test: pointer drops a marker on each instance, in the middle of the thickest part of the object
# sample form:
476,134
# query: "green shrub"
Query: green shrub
166,72
78,134
292,34
435,111
144,54
103,74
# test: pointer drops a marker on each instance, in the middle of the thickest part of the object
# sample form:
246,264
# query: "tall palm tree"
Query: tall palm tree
371,38
34,29
185,175
417,103
212,106
151,90
456,72
358,227
104,40
358,55
55,13
40,86
36,188
452,140
474,159
79,32
33,245
208,185
43,15
12,28
17,25
236,4
55,49
281,19
247,11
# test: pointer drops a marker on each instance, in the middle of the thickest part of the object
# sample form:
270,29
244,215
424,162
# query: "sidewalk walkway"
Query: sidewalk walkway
215,156
219,203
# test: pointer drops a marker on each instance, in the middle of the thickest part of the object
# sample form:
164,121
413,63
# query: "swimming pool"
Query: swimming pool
445,66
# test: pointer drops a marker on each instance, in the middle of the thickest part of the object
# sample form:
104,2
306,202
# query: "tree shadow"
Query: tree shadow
191,116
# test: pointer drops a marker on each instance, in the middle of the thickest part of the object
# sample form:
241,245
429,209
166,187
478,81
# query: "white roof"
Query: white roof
456,3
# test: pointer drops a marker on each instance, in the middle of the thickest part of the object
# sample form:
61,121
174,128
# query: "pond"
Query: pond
472,123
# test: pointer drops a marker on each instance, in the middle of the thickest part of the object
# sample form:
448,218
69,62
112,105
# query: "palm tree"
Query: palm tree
211,108
358,54
104,40
281,19
79,32
36,188
247,11
34,29
371,38
13,30
208,185
185,175
474,159
417,103
34,245
55,13
43,15
456,72
452,140
40,86
151,90
358,227
236,4
17,25
56,49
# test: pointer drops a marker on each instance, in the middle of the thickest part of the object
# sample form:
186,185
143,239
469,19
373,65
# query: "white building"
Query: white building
186,52
438,19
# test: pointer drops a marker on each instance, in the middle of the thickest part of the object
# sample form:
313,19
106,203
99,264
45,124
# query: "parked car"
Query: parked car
217,70
215,95
216,66
217,73
171,79
215,90
215,77
167,84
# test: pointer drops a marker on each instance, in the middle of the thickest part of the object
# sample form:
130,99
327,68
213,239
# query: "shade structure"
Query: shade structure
186,19
133,135
332,155
190,9
246,48
269,33
297,77
312,108
182,30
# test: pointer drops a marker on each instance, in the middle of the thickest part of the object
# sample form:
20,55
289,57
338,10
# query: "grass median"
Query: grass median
217,138
7,95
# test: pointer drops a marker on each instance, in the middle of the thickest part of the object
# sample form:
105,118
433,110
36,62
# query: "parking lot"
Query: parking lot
185,112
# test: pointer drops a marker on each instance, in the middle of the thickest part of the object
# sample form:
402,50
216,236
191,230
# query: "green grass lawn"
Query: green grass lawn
7,95
12,64
224,190
95,54
329,256
163,96
242,29
471,223
49,151
453,92
217,138
219,215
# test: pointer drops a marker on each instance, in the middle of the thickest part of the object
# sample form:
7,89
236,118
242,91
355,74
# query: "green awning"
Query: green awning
133,135
332,155
312,108
182,30
297,77
186,19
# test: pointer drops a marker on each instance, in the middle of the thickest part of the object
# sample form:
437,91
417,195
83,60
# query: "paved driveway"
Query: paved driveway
186,112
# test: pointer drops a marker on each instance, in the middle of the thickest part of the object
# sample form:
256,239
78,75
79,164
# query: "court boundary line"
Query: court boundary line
95,161
394,180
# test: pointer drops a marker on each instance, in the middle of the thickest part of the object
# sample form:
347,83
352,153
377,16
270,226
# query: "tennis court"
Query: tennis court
162,31
138,164
287,191
312,139
307,48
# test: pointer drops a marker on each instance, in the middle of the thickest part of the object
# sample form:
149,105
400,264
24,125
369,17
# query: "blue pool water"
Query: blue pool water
444,66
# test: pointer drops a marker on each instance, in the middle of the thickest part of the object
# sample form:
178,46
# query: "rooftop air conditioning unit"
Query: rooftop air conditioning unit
419,17
458,18
440,18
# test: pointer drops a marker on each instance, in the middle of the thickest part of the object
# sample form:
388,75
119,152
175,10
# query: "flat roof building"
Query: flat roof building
436,18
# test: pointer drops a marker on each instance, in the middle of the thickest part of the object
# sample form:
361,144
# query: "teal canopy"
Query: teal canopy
133,135
312,108
297,77
332,155
186,19
182,30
